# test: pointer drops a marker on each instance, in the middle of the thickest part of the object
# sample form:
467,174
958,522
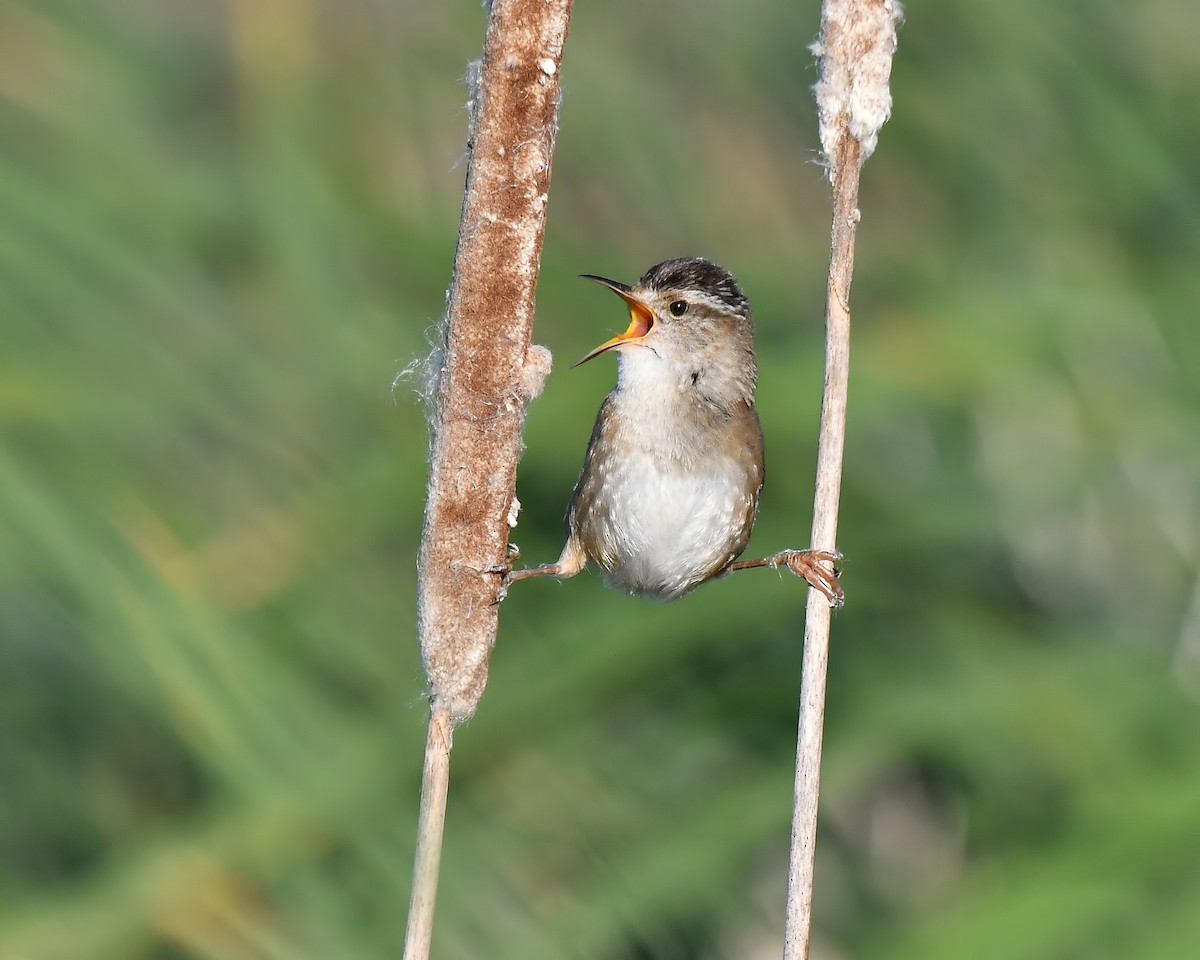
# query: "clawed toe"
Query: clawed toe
506,580
504,570
811,565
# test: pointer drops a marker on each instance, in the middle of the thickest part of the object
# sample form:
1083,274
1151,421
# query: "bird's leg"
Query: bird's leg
572,560
809,564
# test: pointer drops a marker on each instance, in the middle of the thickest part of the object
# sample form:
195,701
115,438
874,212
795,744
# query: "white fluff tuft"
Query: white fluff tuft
854,53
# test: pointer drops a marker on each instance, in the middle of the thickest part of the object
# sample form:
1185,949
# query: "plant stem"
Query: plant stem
435,782
854,100
481,379
831,444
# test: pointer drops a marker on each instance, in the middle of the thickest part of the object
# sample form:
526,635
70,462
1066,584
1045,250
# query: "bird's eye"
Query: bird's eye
678,308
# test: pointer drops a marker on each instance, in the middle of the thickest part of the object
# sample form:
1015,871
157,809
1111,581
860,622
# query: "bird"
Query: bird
670,485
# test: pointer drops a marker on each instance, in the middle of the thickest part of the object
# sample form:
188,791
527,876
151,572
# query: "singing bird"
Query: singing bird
670,483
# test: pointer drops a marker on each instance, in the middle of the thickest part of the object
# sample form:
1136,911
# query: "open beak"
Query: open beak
641,317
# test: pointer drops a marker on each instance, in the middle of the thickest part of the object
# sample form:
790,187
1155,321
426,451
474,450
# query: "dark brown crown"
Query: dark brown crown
696,273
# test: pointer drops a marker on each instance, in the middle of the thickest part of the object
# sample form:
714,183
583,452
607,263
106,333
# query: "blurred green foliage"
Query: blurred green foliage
225,226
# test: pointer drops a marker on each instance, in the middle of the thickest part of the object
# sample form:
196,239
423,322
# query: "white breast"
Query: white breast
665,530
672,509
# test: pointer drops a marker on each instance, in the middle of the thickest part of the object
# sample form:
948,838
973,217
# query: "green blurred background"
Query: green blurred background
224,227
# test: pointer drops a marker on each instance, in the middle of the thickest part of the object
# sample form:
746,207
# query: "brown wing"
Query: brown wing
751,429
579,511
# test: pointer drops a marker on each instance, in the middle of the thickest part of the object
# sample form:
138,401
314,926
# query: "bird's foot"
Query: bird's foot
819,568
504,570
573,560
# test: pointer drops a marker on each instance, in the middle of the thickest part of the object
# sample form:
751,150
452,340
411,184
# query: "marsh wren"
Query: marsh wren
670,483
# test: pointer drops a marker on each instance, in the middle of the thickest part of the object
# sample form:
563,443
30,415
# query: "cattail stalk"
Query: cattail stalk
481,377
854,53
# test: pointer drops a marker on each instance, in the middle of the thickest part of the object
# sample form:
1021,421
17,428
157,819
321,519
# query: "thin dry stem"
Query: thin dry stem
435,782
831,444
858,38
